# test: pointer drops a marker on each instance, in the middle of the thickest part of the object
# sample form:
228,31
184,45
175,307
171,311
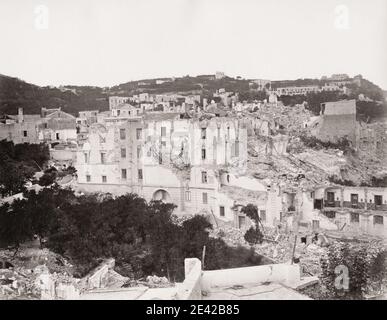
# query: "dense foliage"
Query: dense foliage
352,270
253,235
18,164
49,176
141,236
15,93
252,95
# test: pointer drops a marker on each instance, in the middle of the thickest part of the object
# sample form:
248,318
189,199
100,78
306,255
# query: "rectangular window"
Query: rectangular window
123,152
355,217
104,179
57,136
25,133
103,157
205,197
354,198
204,132
138,133
86,158
378,200
138,152
160,158
330,196
163,143
221,211
203,154
237,148
163,131
122,134
88,178
123,174
188,195
262,215
204,177
241,221
139,172
378,219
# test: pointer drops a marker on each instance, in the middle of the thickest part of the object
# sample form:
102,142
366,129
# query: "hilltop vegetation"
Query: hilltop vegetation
16,93
376,107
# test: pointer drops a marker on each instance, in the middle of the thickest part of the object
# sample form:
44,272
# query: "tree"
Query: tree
13,177
195,235
141,236
48,177
18,164
253,235
15,225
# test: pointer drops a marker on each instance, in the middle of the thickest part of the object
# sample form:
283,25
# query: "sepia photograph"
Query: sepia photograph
193,150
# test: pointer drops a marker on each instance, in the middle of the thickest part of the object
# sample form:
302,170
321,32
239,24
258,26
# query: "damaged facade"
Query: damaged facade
170,159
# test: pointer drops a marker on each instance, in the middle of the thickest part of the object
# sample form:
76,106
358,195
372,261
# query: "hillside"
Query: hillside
376,107
16,93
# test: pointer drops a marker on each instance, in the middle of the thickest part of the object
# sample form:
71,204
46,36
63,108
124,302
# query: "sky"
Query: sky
105,43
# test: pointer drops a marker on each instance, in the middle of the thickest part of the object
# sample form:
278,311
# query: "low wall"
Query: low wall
191,289
279,273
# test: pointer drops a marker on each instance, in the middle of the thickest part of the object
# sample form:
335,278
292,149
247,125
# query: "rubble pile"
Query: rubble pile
21,274
278,247
232,236
150,282
18,283
31,257
37,283
292,118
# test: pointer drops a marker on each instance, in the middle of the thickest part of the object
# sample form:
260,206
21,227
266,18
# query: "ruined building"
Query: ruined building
337,120
163,157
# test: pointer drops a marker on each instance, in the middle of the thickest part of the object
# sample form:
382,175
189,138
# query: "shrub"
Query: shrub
253,236
352,270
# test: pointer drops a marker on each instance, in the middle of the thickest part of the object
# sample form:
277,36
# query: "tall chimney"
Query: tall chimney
20,115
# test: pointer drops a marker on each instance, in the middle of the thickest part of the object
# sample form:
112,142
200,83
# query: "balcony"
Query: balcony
373,206
354,205
332,204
